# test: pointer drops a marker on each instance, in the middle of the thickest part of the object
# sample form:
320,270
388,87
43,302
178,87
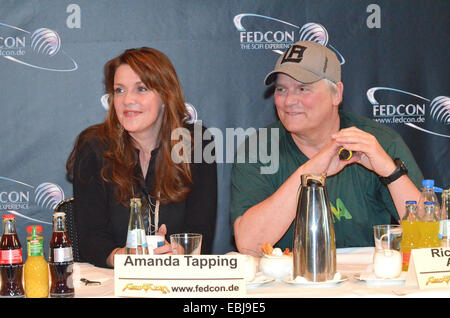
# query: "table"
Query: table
350,262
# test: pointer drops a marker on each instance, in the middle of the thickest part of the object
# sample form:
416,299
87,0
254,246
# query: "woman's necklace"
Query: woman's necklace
155,212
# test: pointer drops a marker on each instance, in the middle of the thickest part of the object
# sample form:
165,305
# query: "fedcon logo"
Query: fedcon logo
18,196
40,49
412,111
281,36
192,112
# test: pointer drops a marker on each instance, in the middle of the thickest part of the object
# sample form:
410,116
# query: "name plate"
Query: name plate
429,268
179,276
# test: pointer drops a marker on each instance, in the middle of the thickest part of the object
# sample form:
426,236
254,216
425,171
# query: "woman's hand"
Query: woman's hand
110,259
165,249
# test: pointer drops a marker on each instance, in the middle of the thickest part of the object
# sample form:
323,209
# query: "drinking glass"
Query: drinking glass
387,260
186,243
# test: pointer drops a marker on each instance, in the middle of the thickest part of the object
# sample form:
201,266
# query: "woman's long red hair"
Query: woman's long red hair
173,180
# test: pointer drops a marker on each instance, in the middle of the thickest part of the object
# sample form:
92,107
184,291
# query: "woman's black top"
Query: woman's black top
102,221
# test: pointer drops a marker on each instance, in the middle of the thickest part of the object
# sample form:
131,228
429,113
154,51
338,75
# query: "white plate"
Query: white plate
259,280
328,283
371,279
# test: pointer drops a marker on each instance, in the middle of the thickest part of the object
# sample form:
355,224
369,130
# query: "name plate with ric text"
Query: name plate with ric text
179,276
429,268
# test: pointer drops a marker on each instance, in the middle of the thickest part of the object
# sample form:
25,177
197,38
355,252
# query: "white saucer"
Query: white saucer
328,283
371,279
259,280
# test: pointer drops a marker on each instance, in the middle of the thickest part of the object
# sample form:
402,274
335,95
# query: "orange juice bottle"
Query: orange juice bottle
36,268
429,227
411,235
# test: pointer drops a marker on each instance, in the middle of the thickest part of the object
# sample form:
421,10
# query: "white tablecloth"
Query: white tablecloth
351,262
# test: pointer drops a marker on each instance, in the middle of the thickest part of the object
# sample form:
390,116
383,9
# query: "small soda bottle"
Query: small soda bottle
429,227
36,268
11,262
60,259
136,238
411,238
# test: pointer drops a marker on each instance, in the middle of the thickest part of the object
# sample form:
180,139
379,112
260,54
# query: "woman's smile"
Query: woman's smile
131,113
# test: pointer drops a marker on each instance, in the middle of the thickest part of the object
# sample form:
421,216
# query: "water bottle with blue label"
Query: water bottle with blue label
428,195
136,239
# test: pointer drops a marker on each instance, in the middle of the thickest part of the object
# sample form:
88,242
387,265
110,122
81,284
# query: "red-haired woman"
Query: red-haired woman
130,154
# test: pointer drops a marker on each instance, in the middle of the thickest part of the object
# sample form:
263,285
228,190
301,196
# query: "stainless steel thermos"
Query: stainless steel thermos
314,246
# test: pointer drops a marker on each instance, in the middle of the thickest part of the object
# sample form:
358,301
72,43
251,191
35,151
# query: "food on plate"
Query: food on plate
268,249
276,263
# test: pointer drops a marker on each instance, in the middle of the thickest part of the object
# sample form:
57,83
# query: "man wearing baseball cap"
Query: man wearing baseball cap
368,189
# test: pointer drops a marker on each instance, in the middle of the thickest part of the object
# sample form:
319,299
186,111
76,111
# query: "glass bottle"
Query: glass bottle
60,259
136,239
428,195
411,235
444,224
11,261
429,227
36,268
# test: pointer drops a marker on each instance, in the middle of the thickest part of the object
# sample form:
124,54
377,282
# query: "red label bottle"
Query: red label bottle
11,262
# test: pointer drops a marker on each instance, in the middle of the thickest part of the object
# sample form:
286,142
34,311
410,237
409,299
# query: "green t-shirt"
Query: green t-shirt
357,197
